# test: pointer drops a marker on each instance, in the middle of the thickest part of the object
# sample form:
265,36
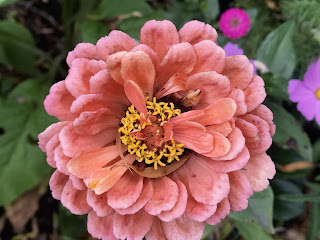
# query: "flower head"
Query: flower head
307,92
234,23
157,138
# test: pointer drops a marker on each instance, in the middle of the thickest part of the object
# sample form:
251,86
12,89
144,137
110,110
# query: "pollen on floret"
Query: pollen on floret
149,136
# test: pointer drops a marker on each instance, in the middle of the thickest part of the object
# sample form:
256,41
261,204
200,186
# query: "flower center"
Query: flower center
318,93
234,22
149,136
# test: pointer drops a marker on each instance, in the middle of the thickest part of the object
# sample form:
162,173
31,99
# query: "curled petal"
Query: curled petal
114,66
57,183
199,211
50,147
222,211
176,83
196,31
223,128
82,50
61,160
186,116
99,203
136,96
156,231
239,97
265,113
100,227
221,145
255,93
77,183
152,54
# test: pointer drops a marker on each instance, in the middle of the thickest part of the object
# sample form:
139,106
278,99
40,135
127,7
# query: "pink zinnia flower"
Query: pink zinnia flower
157,138
234,23
307,92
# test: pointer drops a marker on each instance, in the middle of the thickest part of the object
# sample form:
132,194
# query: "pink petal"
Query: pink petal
100,227
181,58
59,101
312,76
82,50
240,191
88,162
116,41
180,206
61,160
165,196
265,113
196,31
221,145
57,183
135,96
156,231
210,57
231,165
223,210
99,203
152,54
50,147
189,134
126,192
212,85
114,66
186,116
223,128
183,228
176,83
77,183
307,107
74,144
221,110
199,211
132,227
255,93
239,70
258,170
75,200
95,66
159,35
249,130
239,97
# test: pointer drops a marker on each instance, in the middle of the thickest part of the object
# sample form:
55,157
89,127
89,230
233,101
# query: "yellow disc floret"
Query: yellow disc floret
149,136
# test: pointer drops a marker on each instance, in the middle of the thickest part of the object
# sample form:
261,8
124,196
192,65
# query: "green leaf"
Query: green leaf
6,2
250,230
277,50
208,230
276,86
314,186
316,151
17,47
300,197
114,8
92,31
314,222
22,118
212,10
289,133
259,210
253,12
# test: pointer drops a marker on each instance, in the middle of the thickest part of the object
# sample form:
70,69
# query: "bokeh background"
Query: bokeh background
35,37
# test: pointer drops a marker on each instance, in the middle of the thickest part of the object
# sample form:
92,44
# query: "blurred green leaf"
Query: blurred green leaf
22,118
276,86
314,222
289,133
6,2
277,50
92,31
250,230
208,230
17,47
284,156
284,210
314,186
212,10
259,210
316,151
114,8
253,12
300,197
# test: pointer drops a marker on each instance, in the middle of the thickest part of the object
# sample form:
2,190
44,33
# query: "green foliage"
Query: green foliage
6,2
314,222
211,10
208,230
92,31
251,230
22,118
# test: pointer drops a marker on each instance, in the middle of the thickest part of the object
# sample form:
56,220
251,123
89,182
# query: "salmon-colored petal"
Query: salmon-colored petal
138,67
91,123
82,50
189,134
126,192
258,170
75,200
114,66
180,206
222,211
176,83
181,58
249,130
165,196
88,162
99,203
152,54
231,165
57,183
156,231
77,183
237,141
239,70
224,128
221,145
210,57
239,97
61,160
212,85
186,116
240,191
205,186
255,93
100,227
199,211
136,96
50,147
196,31
116,41
95,66
59,101
183,228
159,35
74,144
265,113
133,226
105,178
221,110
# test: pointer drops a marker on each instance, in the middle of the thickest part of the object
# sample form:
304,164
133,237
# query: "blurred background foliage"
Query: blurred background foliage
35,37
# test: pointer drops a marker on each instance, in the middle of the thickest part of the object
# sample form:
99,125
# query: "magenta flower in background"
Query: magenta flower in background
234,23
307,92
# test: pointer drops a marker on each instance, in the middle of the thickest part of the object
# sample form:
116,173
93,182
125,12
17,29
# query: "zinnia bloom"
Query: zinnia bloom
157,138
234,23
307,92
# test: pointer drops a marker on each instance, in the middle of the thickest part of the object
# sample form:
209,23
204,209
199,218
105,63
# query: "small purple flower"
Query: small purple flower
307,92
